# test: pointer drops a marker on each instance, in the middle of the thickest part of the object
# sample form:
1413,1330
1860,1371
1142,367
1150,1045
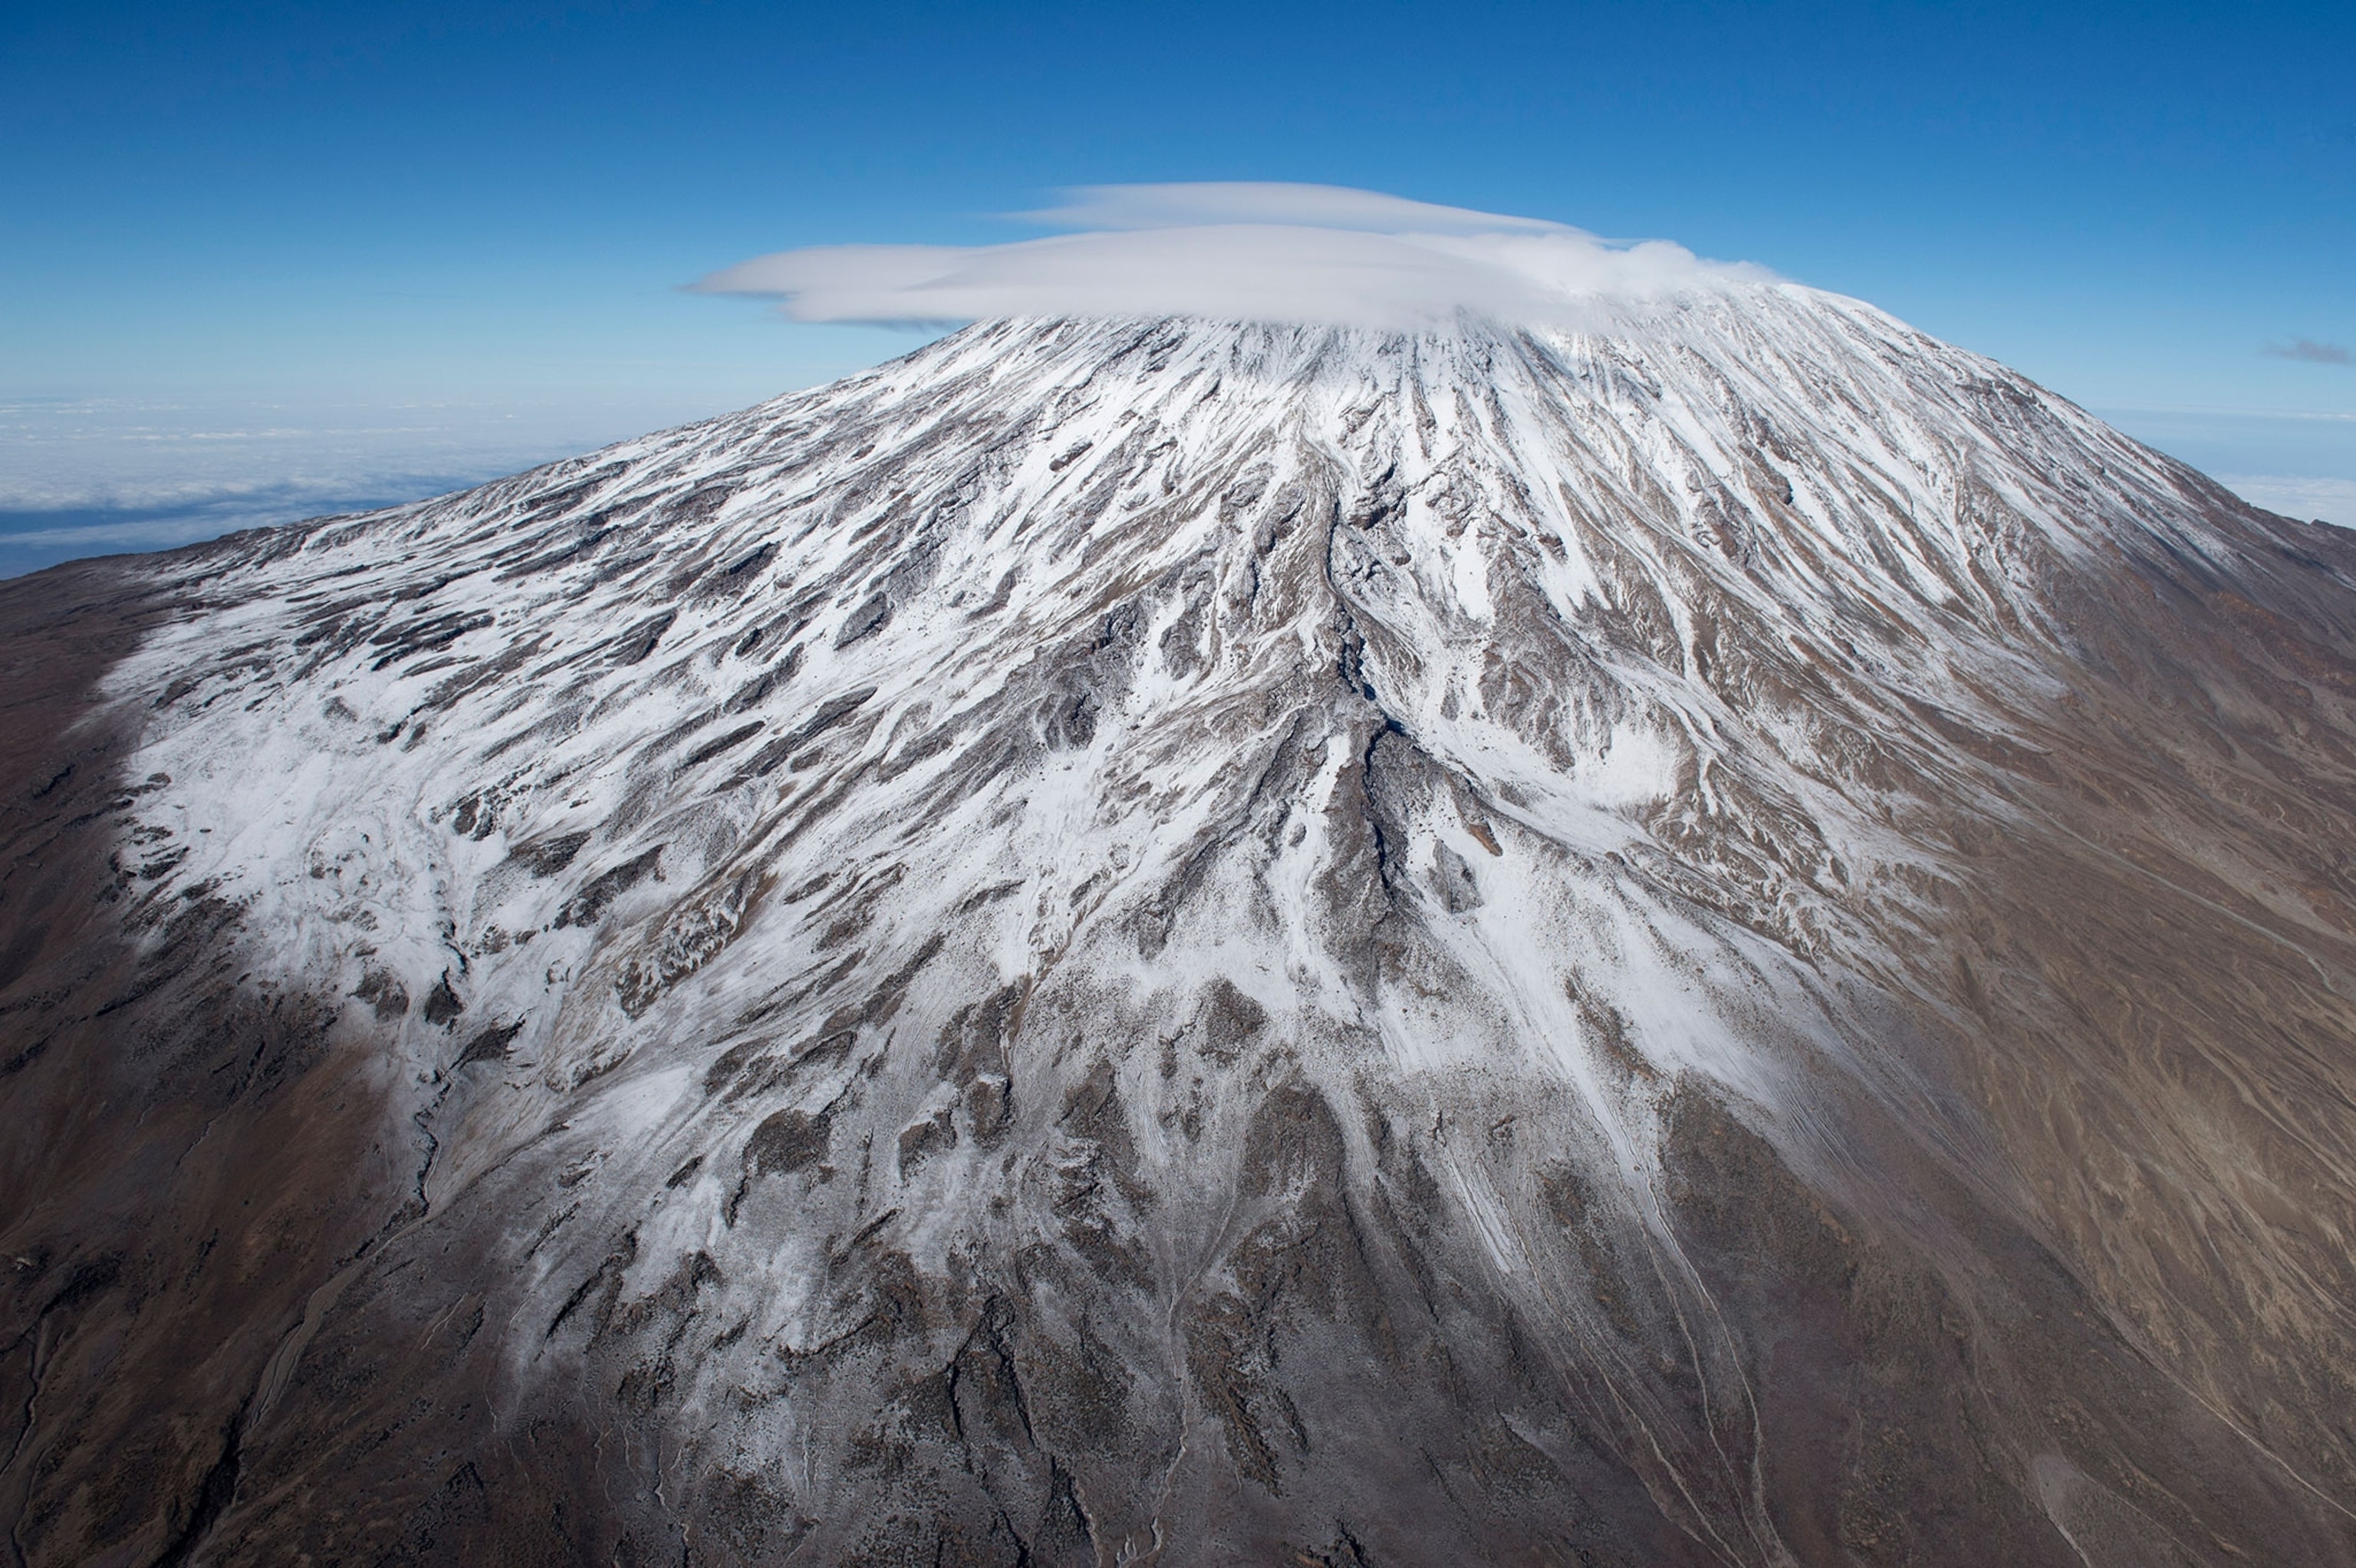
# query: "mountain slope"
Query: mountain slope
1722,942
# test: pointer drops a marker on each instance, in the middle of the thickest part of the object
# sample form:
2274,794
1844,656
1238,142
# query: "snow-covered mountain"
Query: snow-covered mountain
1725,940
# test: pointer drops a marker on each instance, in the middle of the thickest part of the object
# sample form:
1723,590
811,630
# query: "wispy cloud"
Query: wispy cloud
2309,351
1318,254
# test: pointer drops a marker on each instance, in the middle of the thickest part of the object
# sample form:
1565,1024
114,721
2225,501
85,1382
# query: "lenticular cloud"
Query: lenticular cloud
1263,252
1184,205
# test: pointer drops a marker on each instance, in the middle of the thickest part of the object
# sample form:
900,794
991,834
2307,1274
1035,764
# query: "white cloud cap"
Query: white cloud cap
1268,252
1184,204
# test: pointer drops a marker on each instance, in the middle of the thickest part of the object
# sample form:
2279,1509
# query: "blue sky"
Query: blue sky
284,258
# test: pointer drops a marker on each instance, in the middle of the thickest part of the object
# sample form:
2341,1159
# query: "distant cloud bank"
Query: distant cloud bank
2309,351
1252,251
79,476
2303,496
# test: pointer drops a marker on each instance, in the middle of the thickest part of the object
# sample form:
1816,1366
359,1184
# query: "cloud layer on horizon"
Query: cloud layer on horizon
1323,255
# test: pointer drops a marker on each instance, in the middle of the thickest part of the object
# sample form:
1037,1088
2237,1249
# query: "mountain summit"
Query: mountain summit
1722,940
